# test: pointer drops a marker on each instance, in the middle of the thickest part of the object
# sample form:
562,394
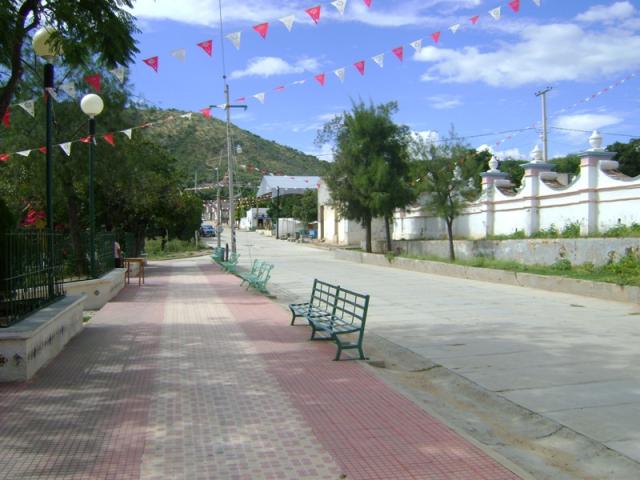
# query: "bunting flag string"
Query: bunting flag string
340,5
94,81
153,62
398,52
314,13
262,29
180,54
288,21
207,46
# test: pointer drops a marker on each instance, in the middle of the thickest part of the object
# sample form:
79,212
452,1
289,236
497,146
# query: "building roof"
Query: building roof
273,185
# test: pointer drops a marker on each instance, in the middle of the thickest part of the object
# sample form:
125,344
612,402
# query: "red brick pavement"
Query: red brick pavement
372,431
84,415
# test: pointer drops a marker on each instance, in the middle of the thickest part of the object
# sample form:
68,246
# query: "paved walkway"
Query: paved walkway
190,376
570,358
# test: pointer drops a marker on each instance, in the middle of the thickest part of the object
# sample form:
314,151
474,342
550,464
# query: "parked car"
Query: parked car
207,231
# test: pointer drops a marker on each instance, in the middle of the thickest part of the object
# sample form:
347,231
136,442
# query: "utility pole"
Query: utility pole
543,94
218,221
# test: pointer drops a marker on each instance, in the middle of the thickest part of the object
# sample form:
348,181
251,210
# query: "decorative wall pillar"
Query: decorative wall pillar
591,162
490,180
531,189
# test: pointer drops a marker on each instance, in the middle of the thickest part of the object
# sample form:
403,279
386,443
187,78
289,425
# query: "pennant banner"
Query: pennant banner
24,153
260,97
180,54
340,5
119,73
288,21
6,118
128,132
495,13
206,112
207,46
29,107
454,28
152,62
262,29
235,39
314,13
398,52
367,3
69,88
379,59
359,66
515,5
435,36
52,93
108,137
320,78
340,73
66,148
475,19
94,81
417,45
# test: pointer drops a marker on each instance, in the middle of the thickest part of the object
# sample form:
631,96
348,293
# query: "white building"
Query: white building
255,218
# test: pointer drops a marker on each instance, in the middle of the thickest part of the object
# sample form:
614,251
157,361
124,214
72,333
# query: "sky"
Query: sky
480,80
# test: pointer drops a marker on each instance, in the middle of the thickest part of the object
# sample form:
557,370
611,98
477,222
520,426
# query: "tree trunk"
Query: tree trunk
452,253
387,232
367,226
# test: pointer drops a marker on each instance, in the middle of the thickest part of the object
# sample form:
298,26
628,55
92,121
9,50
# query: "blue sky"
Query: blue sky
482,79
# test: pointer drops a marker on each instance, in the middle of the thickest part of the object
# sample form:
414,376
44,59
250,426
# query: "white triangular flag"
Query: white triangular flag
417,45
379,59
288,22
128,132
235,39
51,91
340,73
28,106
260,97
119,73
454,28
495,13
222,106
537,2
186,115
24,153
180,54
66,148
340,5
299,82
69,88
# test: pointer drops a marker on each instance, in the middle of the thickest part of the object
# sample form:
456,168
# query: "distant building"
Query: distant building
272,186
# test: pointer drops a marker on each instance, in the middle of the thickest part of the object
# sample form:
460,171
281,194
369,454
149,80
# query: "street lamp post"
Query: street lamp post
218,212
92,106
43,48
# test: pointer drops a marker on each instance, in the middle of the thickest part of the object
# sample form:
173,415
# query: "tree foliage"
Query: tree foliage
449,178
370,176
86,31
628,155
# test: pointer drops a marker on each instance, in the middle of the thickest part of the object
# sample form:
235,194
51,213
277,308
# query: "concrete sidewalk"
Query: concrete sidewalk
574,360
189,376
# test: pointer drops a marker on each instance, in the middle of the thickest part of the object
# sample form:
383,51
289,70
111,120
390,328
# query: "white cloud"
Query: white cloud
607,13
324,152
428,136
271,66
548,53
509,154
583,121
444,102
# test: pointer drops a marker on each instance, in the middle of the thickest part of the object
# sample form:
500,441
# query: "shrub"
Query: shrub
571,230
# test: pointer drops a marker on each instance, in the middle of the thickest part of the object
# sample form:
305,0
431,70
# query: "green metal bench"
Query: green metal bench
232,263
259,281
218,254
321,303
250,275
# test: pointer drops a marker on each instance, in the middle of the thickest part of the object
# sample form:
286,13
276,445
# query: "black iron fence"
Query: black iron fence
77,258
31,273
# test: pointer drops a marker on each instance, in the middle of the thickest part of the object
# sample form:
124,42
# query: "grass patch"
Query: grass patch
174,249
621,271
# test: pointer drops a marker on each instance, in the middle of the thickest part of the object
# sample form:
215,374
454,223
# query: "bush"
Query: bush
153,247
571,230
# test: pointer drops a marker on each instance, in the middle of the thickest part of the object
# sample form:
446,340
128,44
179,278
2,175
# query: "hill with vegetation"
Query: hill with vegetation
199,146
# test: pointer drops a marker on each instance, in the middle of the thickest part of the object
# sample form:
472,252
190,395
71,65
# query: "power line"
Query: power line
603,133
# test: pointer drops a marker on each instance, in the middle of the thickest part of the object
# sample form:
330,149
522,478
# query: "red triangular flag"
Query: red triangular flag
241,100
435,36
206,112
152,62
320,78
94,81
207,46
4,157
398,52
43,149
108,137
360,66
367,3
279,88
515,5
262,29
6,118
314,13
475,19
86,139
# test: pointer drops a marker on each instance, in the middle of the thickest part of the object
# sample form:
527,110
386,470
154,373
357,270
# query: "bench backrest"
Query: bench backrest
351,307
257,265
233,257
323,295
265,272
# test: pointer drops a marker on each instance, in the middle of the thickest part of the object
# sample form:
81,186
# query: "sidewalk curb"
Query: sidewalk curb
586,288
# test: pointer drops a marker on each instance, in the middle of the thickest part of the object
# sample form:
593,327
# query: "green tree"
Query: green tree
305,208
370,176
450,171
85,30
628,154
569,164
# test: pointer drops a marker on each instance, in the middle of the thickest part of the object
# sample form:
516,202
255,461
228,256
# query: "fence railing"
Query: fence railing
77,261
31,273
